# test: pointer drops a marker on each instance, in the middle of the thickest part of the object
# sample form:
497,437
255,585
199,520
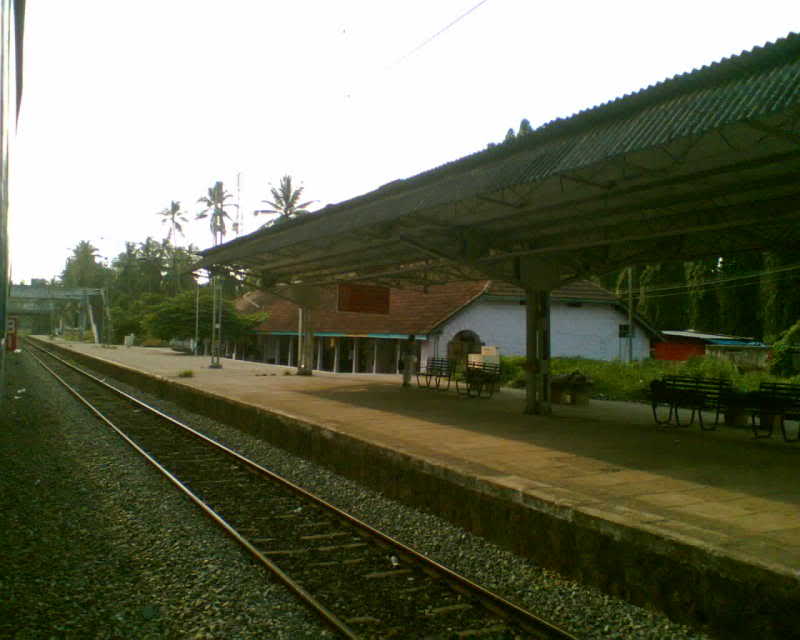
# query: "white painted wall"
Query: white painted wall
588,331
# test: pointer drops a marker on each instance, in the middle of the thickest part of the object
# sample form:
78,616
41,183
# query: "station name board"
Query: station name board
363,298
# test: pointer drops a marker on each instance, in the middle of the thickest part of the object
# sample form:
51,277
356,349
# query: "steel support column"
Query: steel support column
305,366
216,322
537,379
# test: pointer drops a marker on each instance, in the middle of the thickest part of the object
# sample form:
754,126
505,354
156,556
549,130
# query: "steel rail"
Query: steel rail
328,616
533,624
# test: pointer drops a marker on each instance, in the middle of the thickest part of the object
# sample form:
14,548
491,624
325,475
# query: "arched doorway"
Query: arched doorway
462,344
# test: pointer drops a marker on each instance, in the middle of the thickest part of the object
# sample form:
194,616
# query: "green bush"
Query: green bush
785,352
616,380
710,367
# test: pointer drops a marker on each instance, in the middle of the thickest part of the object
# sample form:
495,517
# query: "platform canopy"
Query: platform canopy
706,163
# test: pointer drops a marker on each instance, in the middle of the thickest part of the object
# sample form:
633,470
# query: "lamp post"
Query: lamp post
216,321
197,318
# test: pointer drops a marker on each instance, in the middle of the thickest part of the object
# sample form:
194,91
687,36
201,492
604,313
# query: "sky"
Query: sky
129,105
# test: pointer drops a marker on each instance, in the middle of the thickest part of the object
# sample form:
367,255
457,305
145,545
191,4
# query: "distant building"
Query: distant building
450,320
682,345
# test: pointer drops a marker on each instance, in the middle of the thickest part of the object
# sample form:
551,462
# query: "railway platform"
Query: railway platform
702,525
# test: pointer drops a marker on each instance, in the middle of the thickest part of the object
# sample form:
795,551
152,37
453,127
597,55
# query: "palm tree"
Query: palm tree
215,210
150,258
82,268
173,216
285,200
126,268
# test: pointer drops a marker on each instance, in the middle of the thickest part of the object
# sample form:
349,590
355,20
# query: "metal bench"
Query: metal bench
480,380
695,393
776,401
435,373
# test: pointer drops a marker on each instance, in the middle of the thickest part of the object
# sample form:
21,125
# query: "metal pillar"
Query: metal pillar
336,342
197,319
355,355
305,362
537,339
375,355
299,339
630,314
216,322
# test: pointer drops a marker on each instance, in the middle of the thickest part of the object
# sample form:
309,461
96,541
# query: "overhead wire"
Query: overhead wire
677,289
427,41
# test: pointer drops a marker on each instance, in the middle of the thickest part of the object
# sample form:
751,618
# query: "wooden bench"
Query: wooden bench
776,401
480,380
435,373
696,393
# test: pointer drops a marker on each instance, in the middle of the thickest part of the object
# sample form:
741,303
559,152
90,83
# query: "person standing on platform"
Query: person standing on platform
409,359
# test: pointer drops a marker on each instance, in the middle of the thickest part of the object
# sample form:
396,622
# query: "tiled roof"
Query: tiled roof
579,290
410,311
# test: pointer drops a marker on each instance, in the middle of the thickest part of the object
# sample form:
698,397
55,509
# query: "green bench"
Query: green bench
693,393
435,373
479,380
775,401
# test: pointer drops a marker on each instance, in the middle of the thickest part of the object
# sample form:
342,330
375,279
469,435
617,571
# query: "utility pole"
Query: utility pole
630,314
239,226
216,321
197,318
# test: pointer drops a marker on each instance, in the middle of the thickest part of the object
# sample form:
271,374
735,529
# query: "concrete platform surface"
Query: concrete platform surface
722,490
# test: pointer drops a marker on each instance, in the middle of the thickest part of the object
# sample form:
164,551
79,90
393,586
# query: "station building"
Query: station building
451,320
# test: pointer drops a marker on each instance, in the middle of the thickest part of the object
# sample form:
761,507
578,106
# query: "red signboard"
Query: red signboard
363,298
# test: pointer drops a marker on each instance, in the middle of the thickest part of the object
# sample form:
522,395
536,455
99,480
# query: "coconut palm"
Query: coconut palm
285,200
215,210
173,216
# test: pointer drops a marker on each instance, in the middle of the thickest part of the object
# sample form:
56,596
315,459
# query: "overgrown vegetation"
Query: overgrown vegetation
618,380
175,318
785,354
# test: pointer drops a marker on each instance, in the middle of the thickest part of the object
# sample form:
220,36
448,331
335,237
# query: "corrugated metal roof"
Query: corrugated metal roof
752,84
358,238
704,336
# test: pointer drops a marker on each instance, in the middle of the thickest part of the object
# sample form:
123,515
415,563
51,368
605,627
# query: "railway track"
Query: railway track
361,582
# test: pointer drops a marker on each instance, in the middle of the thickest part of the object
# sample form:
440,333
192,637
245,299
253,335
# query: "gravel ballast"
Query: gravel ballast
142,562
96,544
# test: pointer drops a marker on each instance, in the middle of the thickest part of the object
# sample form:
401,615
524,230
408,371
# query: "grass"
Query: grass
618,380
186,373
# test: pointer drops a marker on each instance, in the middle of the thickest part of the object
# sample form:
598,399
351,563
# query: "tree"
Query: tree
151,265
175,318
173,216
524,128
83,268
285,200
127,282
216,203
510,136
663,297
179,272
738,294
703,301
780,292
